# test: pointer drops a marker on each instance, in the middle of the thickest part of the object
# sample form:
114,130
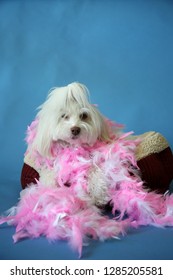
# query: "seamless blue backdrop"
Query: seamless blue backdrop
121,50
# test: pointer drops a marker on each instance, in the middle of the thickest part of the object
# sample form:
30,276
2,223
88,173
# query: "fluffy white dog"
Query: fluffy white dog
69,123
68,118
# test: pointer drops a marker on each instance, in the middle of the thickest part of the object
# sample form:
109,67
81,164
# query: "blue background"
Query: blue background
122,50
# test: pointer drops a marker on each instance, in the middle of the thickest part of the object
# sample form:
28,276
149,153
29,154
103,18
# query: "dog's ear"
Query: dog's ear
105,133
43,139
101,125
105,130
47,122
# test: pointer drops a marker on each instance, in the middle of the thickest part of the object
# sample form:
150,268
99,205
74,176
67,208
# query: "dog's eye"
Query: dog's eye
83,116
64,116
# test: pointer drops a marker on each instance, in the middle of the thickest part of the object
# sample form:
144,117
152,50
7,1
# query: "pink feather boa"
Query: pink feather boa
68,212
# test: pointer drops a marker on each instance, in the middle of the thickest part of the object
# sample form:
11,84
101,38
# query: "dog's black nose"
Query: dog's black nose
75,130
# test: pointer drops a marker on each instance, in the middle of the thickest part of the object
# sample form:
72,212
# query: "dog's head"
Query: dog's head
68,117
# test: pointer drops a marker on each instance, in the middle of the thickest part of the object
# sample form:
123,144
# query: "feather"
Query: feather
70,213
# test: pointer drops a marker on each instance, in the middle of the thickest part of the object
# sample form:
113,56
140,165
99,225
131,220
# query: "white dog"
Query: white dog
68,118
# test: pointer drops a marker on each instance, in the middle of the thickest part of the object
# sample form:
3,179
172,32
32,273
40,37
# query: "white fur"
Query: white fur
67,108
